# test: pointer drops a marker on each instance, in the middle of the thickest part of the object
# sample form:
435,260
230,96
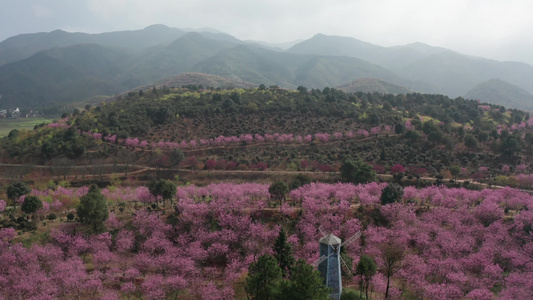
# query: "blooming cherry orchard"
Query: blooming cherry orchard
436,243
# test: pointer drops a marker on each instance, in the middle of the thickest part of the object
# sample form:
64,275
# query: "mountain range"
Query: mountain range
55,68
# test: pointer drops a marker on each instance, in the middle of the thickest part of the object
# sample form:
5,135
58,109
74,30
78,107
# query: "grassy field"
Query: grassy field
6,125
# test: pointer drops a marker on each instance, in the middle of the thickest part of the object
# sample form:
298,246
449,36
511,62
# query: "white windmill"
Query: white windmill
329,263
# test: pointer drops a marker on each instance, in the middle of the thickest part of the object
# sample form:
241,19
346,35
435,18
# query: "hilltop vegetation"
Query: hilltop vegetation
202,80
370,85
296,130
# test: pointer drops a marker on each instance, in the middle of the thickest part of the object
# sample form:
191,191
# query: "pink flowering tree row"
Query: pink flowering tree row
244,138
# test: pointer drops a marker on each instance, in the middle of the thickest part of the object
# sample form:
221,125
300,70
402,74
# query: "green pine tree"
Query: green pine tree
357,171
264,279
93,209
366,268
305,284
31,204
278,190
283,253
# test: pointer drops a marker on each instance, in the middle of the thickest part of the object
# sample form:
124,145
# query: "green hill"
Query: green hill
334,70
71,74
318,127
198,79
500,92
260,65
62,75
177,57
254,64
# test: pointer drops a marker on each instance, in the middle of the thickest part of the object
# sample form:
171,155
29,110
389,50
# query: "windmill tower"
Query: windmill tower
329,263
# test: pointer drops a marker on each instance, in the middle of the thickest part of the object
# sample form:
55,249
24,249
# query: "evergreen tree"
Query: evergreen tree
278,190
305,284
470,142
175,157
163,188
356,171
529,139
283,253
300,180
366,268
455,170
399,128
391,193
93,209
31,204
264,279
510,146
17,189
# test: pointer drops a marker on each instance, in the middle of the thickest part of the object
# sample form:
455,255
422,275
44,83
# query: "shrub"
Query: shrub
350,295
70,216
28,226
31,204
278,190
391,193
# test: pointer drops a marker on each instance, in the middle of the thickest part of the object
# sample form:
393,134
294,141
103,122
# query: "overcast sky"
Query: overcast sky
498,29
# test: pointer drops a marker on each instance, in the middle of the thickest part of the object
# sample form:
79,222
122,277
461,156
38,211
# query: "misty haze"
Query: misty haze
266,150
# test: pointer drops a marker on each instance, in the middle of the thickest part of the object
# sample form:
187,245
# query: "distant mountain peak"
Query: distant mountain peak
42,67
58,31
157,26
336,37
422,48
417,44
498,91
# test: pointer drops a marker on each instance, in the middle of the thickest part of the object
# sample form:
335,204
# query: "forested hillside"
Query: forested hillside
297,130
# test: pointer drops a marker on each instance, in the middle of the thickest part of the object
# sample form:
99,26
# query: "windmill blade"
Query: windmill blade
322,258
319,260
322,231
346,269
352,239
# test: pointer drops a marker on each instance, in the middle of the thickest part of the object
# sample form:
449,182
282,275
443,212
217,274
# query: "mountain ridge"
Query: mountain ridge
315,63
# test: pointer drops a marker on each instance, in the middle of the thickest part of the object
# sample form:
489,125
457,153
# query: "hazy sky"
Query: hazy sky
498,29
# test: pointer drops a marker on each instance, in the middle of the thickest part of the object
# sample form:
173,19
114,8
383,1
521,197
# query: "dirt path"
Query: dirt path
144,169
